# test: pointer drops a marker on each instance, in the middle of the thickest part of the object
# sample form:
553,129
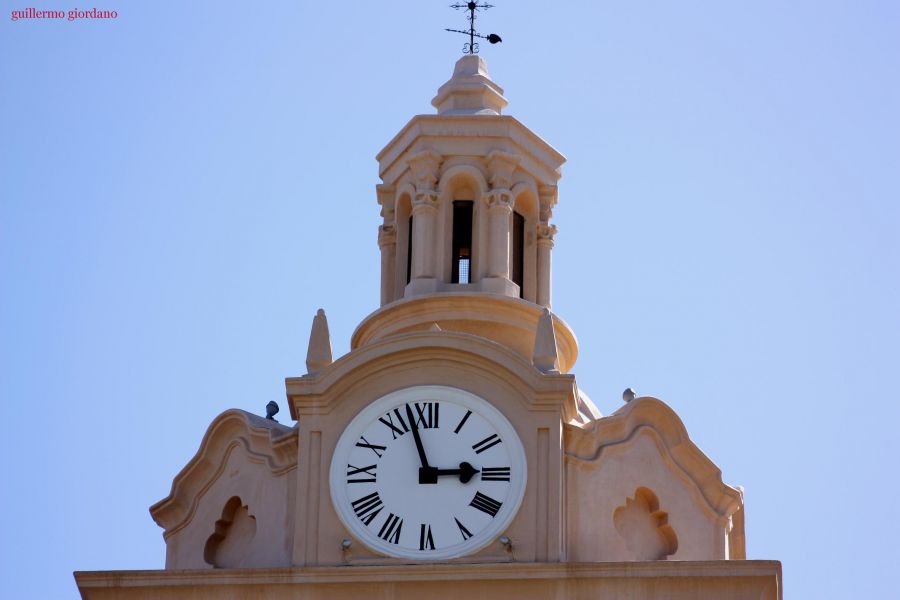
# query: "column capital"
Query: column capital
425,167
499,199
387,235
501,166
425,201
545,234
385,194
548,195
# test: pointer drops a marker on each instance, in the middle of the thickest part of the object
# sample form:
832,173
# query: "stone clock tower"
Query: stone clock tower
451,451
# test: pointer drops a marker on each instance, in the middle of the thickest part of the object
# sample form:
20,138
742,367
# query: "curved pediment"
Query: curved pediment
534,403
417,352
589,443
264,442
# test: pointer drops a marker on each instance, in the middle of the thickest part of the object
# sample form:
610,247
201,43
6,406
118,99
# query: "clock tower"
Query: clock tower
464,331
451,451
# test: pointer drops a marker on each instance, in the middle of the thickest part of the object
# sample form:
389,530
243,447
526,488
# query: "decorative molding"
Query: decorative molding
318,353
548,196
500,199
680,580
264,441
644,527
546,354
405,188
451,172
234,510
470,91
545,233
385,195
444,134
387,235
425,167
537,391
526,187
471,312
737,539
589,443
425,202
501,166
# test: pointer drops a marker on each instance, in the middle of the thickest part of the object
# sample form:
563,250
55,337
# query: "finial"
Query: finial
628,395
318,355
546,354
470,90
471,47
272,410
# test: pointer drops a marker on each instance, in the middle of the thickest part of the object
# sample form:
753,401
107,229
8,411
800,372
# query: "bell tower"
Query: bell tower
466,240
466,198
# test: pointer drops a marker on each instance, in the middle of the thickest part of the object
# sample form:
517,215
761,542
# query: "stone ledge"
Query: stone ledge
757,579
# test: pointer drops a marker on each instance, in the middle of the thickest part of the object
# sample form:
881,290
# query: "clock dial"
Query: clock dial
428,473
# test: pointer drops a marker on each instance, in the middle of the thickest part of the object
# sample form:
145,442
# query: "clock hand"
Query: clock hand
416,436
427,474
465,472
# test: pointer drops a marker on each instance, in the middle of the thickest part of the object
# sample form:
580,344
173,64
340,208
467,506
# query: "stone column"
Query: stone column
425,169
424,211
387,242
545,233
547,197
500,202
499,208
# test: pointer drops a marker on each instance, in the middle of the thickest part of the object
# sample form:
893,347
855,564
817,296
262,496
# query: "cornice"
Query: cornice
491,132
588,444
264,441
769,569
446,308
543,392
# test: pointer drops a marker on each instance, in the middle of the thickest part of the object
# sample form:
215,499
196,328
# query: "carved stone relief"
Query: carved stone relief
644,527
227,546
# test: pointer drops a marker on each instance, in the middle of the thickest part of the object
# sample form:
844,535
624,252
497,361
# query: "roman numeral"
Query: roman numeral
462,529
395,431
495,473
390,531
427,414
463,421
373,447
426,542
485,504
370,471
367,507
488,442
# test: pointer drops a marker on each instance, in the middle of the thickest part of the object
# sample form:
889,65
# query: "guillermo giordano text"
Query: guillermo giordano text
70,15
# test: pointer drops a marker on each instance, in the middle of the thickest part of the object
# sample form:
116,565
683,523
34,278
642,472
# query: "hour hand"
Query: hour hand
465,472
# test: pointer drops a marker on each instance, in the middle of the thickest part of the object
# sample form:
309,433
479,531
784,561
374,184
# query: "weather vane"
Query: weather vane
472,47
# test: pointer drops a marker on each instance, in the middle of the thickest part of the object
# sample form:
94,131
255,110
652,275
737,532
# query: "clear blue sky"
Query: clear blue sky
181,189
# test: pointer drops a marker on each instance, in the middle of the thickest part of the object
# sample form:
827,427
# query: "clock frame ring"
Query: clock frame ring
467,516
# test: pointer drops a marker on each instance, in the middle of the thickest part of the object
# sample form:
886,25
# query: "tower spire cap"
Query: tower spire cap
470,91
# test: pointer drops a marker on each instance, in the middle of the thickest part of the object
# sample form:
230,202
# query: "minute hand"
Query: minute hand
415,432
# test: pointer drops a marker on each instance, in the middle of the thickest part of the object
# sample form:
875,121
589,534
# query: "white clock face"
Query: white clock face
448,493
